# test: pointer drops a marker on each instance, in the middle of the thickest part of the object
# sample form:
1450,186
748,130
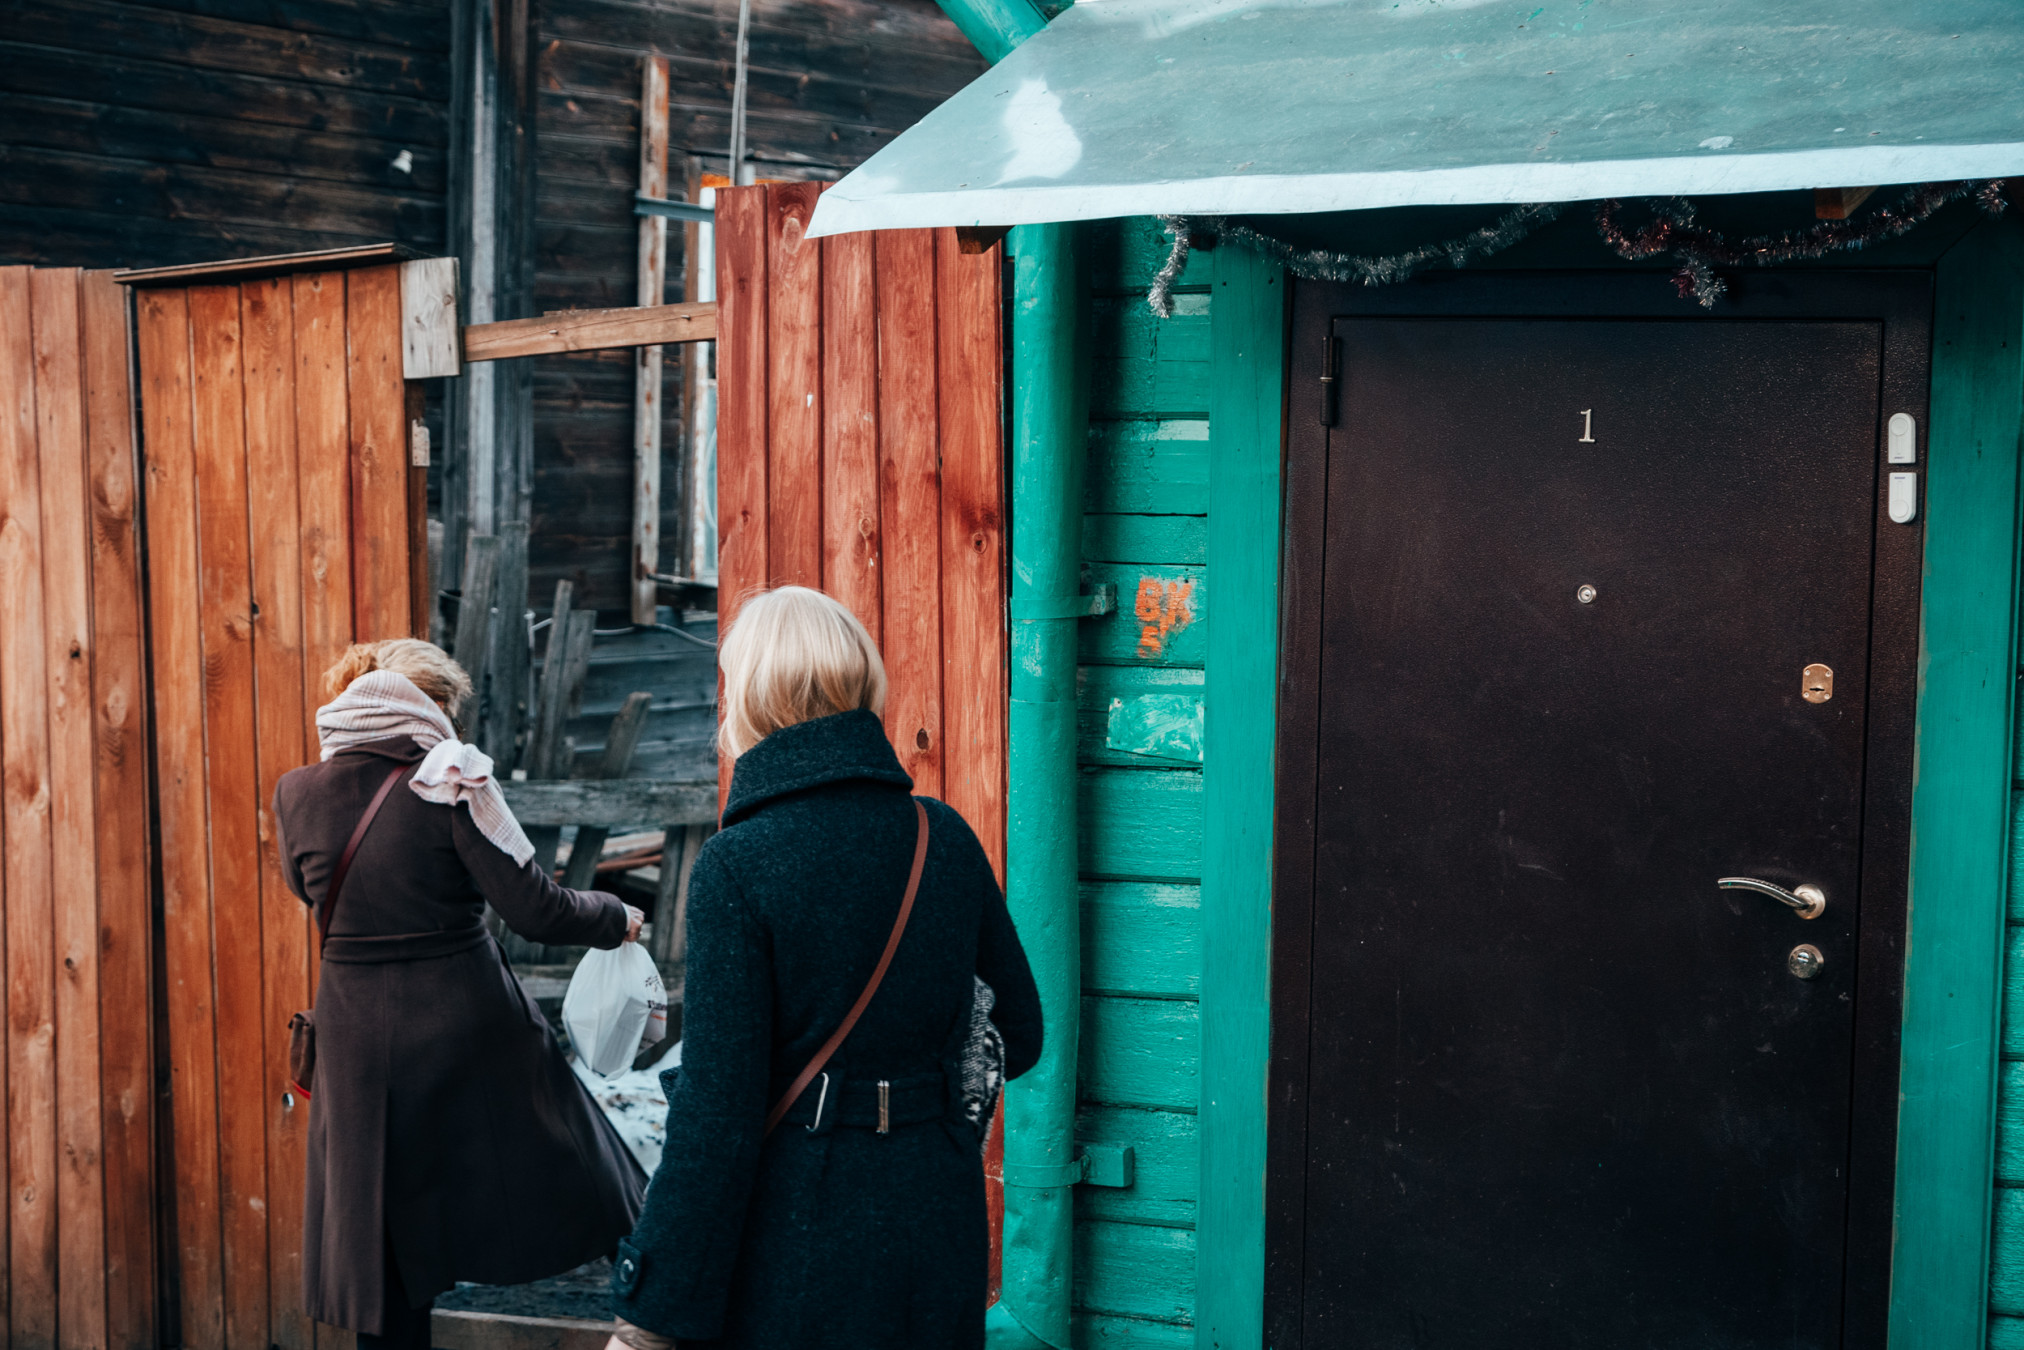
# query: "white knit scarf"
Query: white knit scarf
382,703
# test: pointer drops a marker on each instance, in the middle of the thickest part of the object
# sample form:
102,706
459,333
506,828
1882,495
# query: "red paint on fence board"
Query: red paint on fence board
911,501
850,507
793,388
379,455
119,701
24,817
740,242
268,356
170,447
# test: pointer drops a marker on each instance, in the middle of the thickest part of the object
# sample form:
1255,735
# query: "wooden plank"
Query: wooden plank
430,341
421,566
1238,785
1164,1179
1160,618
1152,467
910,508
225,625
584,330
459,1330
567,627
611,804
740,236
28,867
269,265
793,389
267,310
1146,539
475,606
1960,802
619,744
1141,938
652,272
971,369
1140,1052
323,481
1141,824
1103,1331
178,678
69,650
510,667
379,455
850,497
1135,1270
119,697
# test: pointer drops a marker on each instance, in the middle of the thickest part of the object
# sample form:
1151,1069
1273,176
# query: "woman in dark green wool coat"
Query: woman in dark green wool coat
827,1233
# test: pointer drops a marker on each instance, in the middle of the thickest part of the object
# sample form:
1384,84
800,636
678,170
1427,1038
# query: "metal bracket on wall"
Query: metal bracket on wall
644,205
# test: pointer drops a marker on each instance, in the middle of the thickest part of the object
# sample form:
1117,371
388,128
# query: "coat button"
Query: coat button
627,1270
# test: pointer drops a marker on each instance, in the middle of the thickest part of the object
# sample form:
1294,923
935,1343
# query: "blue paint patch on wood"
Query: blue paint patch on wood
1157,726
1098,686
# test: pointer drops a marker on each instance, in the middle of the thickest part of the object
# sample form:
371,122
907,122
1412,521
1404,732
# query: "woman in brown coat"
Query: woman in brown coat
448,1138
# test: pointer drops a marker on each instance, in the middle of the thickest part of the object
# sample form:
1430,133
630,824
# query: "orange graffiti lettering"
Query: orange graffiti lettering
1164,606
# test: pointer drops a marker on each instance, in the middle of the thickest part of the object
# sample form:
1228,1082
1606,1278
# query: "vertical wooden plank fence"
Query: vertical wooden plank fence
280,515
77,1170
860,449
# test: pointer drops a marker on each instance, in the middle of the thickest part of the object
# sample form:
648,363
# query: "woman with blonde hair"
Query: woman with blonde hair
822,1184
448,1140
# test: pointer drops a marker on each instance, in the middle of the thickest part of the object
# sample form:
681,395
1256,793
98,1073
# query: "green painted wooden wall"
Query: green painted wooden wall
1139,746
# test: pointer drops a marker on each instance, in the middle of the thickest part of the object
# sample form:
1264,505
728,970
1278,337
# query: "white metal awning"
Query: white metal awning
1226,107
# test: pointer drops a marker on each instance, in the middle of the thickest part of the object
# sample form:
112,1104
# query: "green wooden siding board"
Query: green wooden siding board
1148,365
2006,1253
2006,1333
2013,993
1134,1270
1145,539
1154,467
1960,798
1097,1331
1139,1052
1164,1148
2010,1123
1248,346
1141,938
1160,617
1131,252
1141,823
1098,686
2016,890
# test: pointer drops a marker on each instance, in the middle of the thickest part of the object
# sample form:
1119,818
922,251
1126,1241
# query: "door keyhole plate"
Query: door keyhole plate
1816,683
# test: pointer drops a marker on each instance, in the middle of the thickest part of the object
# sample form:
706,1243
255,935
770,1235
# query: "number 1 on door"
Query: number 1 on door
1587,430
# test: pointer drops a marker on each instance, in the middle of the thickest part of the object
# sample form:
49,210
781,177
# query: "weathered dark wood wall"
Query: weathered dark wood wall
185,130
830,81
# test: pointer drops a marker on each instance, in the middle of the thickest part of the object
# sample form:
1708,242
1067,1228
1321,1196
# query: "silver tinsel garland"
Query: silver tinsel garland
1671,230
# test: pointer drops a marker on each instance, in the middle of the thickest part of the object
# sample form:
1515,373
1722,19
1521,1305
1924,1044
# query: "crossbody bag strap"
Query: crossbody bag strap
829,1047
343,868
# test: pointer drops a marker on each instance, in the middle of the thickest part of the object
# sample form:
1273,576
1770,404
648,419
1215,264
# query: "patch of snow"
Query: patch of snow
635,1105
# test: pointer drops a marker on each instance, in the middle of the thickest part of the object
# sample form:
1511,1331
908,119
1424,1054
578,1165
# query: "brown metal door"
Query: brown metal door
1561,1089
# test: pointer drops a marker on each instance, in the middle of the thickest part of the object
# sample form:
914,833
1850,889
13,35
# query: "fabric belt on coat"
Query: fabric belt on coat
377,950
867,1104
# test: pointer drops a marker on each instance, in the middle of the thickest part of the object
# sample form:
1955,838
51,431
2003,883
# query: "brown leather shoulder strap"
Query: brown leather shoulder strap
829,1047
343,868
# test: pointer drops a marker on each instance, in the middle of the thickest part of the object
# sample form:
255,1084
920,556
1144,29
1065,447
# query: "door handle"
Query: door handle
1808,901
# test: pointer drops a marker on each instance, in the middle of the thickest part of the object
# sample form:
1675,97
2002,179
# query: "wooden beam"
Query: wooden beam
647,384
429,346
1838,203
589,330
458,1330
267,265
619,744
612,803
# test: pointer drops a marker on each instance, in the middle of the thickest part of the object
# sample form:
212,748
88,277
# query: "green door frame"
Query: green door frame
1960,802
1961,798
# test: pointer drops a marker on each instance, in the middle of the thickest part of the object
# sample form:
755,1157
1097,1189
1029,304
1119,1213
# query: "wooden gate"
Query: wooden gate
860,450
281,515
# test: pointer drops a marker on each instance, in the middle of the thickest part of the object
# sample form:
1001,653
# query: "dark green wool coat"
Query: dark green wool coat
836,1236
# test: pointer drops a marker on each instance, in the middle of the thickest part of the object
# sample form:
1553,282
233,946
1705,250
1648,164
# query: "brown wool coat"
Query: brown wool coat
445,1121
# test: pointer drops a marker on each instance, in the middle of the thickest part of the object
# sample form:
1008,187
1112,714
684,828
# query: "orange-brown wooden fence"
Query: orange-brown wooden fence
78,1265
280,521
860,450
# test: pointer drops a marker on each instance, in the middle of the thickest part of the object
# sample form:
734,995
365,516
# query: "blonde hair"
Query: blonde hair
794,655
426,664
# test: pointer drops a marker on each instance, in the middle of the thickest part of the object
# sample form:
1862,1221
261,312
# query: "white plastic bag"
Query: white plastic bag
616,1006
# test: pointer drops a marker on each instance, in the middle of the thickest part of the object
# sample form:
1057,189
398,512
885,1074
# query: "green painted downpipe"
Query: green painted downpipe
1049,426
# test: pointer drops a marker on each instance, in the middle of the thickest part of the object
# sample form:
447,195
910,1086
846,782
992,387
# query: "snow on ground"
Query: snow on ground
634,1104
